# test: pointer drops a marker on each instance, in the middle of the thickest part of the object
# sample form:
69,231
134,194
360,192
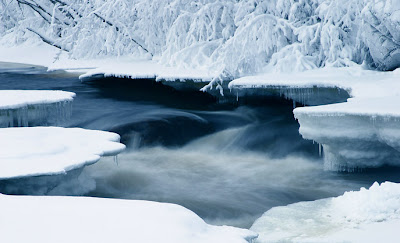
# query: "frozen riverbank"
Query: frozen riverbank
368,215
80,219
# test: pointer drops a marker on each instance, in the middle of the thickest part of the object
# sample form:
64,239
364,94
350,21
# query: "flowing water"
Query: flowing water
228,162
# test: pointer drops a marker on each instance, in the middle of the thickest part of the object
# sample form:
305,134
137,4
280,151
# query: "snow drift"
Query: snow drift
79,219
368,215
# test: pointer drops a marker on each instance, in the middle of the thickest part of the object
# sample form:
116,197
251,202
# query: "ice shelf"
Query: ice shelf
357,134
36,151
20,108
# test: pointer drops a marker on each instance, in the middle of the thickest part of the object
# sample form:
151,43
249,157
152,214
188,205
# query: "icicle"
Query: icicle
36,115
320,149
116,160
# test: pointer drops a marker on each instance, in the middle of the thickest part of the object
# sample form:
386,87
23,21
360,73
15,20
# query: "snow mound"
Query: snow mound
79,219
368,215
33,151
34,107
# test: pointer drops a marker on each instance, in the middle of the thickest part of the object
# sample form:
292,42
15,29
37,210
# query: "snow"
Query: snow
80,219
359,82
34,107
29,52
142,69
16,99
33,151
368,215
230,38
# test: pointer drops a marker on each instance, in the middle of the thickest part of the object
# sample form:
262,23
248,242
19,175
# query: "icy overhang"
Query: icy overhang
34,107
360,133
34,151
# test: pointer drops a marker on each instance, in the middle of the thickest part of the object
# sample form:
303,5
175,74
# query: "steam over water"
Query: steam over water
228,162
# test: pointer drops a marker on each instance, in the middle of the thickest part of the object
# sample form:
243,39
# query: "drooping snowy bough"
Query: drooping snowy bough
368,215
79,219
34,151
34,107
227,38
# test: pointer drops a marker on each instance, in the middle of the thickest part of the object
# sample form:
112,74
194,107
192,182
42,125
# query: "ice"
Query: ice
137,69
358,134
34,107
319,85
37,151
81,219
368,215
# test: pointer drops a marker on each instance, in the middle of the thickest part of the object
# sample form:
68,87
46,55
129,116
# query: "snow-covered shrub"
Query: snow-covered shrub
229,37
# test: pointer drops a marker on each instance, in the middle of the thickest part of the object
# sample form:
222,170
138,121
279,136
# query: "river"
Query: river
229,162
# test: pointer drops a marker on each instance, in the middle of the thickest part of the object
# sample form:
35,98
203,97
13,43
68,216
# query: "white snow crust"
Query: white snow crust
80,219
137,69
368,215
16,99
33,151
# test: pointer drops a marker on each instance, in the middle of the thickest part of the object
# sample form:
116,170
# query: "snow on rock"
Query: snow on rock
80,219
34,151
34,107
368,215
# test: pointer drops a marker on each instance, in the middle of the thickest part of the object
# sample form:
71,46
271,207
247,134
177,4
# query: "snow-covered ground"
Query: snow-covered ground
368,215
34,107
34,151
80,219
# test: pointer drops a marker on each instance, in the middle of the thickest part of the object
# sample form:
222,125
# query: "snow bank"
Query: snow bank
32,52
371,215
137,69
34,107
355,80
79,219
34,151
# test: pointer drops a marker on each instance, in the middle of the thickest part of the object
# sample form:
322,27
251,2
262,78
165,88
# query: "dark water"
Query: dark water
227,162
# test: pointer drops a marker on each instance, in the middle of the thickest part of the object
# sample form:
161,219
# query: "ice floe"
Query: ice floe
80,219
34,107
368,215
34,151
